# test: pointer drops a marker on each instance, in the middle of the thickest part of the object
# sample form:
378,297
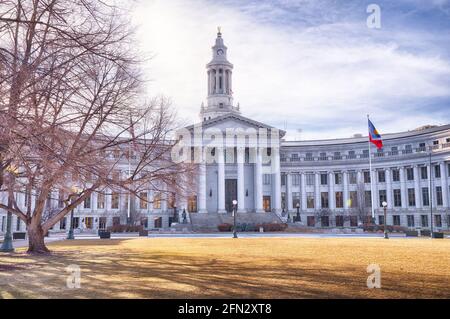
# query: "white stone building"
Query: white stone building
327,181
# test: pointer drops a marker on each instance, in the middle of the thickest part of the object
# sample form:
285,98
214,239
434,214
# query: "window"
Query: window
311,221
411,197
143,202
365,154
409,173
296,179
423,172
325,221
310,179
309,200
295,199
114,201
101,200
366,177
283,179
76,222
339,221
353,221
172,200
381,177
157,200
396,175
410,220
267,179
380,220
87,202
397,198
323,157
339,200
353,199
438,220
436,142
116,221
351,154
408,149
294,157
283,200
353,176
102,223
323,179
382,196
439,195
3,223
367,198
424,220
61,198
337,156
324,199
338,178
309,157
62,223
425,197
437,171
396,220
394,150
192,204
448,169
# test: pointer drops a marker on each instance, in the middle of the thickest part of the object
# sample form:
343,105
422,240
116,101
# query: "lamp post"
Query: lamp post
234,219
298,218
76,192
386,236
7,245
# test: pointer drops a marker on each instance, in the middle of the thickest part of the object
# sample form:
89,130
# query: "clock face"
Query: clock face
220,52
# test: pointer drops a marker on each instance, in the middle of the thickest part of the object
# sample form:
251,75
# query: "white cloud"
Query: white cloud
330,73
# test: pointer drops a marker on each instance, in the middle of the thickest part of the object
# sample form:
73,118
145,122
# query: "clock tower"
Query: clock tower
220,93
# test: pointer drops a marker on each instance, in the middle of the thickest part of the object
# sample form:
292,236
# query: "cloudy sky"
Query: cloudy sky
312,67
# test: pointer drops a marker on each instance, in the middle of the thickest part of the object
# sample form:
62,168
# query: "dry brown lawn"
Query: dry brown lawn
227,268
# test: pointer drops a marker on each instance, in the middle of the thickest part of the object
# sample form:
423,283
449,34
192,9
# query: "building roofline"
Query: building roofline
364,139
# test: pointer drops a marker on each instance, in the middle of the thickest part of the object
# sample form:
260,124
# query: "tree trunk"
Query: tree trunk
36,244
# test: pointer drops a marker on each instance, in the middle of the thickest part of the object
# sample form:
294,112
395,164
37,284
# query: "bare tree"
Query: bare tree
73,110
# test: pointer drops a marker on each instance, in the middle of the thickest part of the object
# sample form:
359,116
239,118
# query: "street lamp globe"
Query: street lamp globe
384,204
234,202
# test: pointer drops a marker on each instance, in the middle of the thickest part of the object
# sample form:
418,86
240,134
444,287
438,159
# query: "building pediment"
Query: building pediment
234,121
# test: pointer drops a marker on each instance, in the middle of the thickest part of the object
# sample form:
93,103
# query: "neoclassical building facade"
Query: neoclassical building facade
327,182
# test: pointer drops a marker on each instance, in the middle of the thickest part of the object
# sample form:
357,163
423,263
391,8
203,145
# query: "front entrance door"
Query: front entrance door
266,204
230,193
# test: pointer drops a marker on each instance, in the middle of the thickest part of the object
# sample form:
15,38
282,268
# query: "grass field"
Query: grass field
243,268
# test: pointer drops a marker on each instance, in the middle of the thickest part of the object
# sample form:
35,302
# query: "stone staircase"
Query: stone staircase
209,222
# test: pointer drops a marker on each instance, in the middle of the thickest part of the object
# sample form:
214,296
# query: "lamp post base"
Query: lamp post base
386,236
7,245
235,234
70,235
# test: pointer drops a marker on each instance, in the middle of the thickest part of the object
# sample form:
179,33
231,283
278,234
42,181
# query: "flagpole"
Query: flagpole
370,173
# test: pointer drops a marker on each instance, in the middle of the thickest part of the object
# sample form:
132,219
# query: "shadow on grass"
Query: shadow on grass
129,273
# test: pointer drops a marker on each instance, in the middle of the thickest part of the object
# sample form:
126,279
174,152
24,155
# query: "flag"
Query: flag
374,136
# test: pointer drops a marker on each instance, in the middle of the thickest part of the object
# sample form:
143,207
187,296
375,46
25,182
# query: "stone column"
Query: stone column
317,204
389,188
241,185
346,193
288,192
202,184
444,184
303,191
276,170
403,190
331,196
431,196
417,189
258,182
217,82
221,180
